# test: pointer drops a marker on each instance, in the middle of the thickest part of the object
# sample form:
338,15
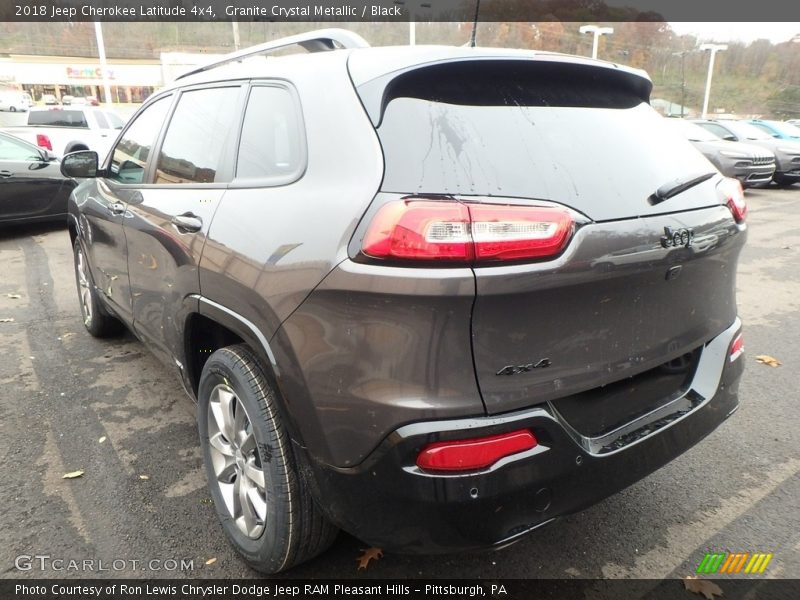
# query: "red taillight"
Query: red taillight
732,194
472,454
420,230
43,141
737,347
514,232
464,231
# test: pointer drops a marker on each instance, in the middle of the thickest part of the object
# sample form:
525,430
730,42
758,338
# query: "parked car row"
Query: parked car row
754,151
32,187
22,101
80,100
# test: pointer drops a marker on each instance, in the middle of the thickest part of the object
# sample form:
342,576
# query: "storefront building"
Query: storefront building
131,81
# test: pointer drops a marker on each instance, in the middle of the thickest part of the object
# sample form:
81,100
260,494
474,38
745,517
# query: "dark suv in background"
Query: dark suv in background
434,296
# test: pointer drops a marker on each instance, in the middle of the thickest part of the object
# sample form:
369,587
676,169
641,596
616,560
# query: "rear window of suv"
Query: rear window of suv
58,118
531,129
195,140
272,144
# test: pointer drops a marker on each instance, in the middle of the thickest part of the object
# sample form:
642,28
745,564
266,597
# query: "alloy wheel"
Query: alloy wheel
84,288
236,462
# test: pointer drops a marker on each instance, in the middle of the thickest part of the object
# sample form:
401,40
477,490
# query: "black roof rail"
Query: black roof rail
320,40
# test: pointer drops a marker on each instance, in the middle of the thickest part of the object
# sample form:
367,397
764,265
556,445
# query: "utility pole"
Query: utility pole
101,50
682,54
235,25
596,32
472,38
713,48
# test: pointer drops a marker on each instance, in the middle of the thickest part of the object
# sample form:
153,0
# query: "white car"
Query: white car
15,101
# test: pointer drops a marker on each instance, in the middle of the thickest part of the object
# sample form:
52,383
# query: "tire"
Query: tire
264,505
13,109
96,319
784,181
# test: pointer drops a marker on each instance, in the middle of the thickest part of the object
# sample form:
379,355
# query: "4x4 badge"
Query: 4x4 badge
677,237
516,369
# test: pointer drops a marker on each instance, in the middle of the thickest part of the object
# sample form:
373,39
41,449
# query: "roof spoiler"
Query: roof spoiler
320,40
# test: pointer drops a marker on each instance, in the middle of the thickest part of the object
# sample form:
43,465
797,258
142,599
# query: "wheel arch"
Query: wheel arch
74,146
72,227
214,326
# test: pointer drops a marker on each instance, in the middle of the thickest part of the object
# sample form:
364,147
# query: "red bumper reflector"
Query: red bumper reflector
732,195
737,348
476,453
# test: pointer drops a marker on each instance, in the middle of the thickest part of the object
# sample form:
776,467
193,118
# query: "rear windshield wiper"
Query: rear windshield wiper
678,186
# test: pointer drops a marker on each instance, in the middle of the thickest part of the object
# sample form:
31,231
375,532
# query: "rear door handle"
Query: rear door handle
6,173
187,223
117,208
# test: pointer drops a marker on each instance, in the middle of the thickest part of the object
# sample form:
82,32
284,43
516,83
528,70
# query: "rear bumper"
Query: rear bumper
388,502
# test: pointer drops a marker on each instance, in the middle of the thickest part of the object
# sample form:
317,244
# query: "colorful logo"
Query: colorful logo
729,562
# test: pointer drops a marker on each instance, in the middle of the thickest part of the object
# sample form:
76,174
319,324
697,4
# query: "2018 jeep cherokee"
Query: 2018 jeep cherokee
434,296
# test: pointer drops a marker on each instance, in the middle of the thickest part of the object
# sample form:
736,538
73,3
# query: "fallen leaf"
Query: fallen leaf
72,475
7,320
369,554
211,561
766,359
707,588
14,296
101,440
144,477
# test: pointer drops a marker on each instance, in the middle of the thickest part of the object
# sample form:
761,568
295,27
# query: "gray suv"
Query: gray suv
751,165
787,152
437,297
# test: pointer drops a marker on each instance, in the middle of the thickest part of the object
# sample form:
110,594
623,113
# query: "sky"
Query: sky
742,32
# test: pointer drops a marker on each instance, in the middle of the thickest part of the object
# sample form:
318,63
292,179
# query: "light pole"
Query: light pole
713,48
596,32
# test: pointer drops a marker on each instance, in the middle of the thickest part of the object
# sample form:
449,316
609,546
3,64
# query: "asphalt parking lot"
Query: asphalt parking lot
143,495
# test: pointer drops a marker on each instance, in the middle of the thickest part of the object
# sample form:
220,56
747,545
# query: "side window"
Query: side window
763,128
195,141
717,130
272,144
15,151
129,160
115,121
101,120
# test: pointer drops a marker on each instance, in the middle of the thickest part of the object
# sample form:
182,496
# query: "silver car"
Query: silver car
787,152
751,165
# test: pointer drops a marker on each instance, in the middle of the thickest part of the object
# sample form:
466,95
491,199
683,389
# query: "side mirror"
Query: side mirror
80,164
729,138
47,155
